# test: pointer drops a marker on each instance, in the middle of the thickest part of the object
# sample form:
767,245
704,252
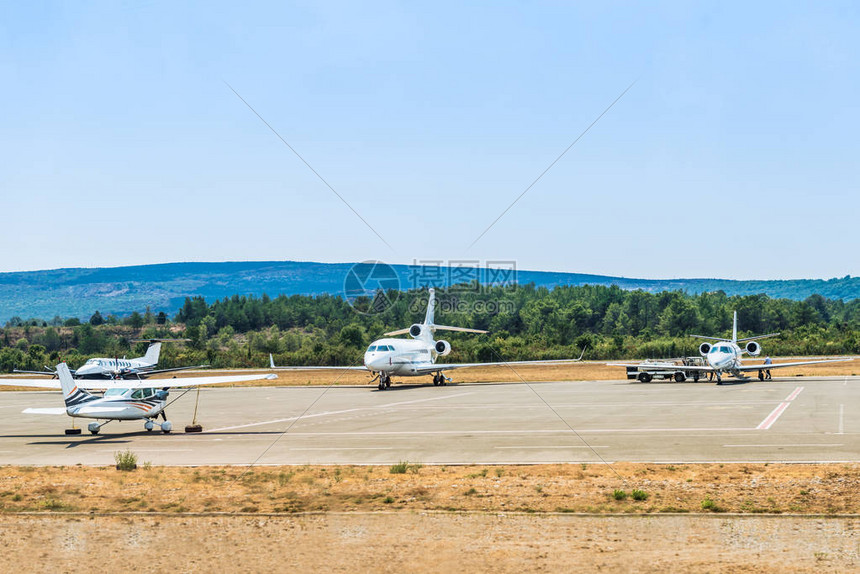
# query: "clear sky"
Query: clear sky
735,155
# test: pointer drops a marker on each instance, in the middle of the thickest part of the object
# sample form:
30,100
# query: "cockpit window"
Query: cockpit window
720,349
371,348
138,394
115,392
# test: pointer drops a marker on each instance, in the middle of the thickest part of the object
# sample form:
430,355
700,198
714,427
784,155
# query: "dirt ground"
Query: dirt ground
424,542
627,488
623,517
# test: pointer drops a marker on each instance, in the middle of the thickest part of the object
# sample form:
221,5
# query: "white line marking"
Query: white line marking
547,447
841,419
347,448
778,445
777,412
401,433
328,413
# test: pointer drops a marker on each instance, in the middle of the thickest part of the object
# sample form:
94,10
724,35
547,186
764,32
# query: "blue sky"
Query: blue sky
733,156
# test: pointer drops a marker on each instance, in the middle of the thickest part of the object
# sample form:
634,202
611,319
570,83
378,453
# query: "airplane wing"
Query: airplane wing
312,368
436,367
45,411
52,373
35,383
761,367
170,370
194,381
657,366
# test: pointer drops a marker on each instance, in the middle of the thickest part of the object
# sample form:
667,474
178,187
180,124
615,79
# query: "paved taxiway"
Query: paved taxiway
798,419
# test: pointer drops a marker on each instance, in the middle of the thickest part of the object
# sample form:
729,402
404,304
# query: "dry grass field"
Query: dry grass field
584,371
620,488
552,518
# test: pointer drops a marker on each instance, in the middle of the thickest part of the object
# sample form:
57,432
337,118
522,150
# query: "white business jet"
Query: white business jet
724,356
389,357
137,401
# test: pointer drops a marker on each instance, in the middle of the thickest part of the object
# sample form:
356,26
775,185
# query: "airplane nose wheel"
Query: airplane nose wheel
384,382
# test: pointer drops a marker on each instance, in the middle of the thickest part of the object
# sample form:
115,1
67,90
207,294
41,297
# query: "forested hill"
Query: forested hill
122,290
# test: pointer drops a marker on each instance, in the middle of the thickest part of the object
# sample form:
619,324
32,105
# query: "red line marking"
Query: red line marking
771,418
775,414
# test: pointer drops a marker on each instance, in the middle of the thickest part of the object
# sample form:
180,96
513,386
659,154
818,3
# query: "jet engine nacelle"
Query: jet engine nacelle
704,349
415,330
753,349
443,347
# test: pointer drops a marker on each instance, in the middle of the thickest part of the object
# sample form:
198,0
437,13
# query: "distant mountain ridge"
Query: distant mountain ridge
78,292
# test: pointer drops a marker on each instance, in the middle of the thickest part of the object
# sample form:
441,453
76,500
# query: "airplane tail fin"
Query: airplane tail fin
72,395
431,308
735,329
153,352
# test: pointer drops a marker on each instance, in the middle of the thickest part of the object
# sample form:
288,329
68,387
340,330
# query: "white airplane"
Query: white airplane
389,357
138,401
724,356
112,369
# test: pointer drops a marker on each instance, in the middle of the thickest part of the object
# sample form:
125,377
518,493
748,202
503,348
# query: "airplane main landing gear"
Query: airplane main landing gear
439,379
94,428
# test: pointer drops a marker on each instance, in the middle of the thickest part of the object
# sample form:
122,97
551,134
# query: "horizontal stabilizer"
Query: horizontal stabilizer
398,332
758,337
458,329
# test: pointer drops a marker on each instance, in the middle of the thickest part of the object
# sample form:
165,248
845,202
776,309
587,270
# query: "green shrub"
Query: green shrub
709,504
639,494
125,460
619,495
404,466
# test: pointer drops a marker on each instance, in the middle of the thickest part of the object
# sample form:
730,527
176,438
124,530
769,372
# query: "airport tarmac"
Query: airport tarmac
802,419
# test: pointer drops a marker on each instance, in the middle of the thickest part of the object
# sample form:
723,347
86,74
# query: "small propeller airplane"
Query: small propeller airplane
724,356
137,401
112,369
389,357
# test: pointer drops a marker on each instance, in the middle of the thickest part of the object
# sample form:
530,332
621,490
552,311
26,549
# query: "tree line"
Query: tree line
524,322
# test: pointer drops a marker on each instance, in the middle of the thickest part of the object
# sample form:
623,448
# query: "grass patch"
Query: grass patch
404,466
619,495
639,494
710,505
125,460
55,505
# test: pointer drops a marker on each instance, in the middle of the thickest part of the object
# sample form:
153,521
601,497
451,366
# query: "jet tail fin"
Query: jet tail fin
431,307
735,329
153,352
